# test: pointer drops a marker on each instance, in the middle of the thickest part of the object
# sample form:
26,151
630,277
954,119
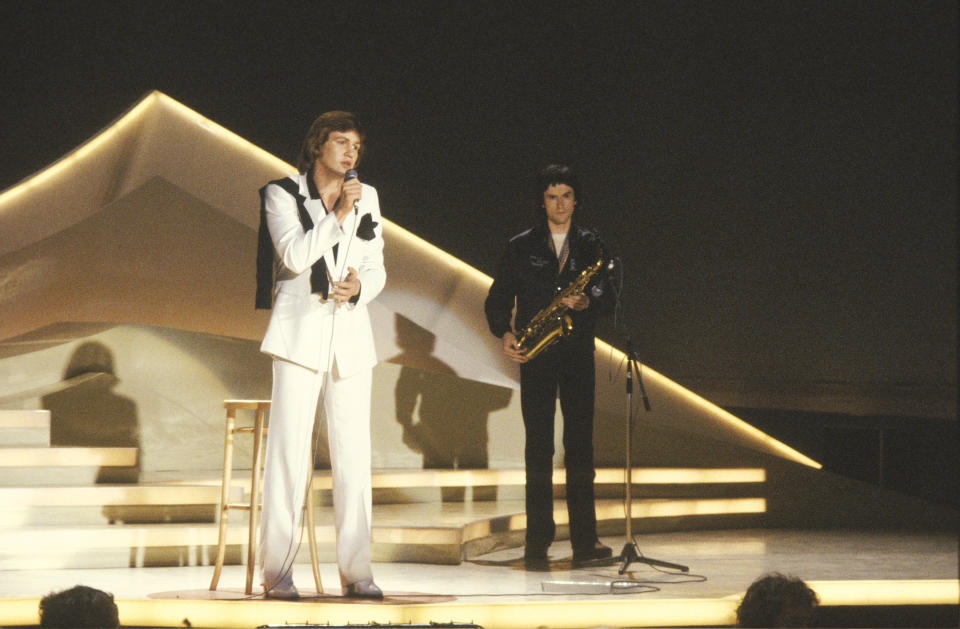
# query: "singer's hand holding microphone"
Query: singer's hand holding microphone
342,291
349,195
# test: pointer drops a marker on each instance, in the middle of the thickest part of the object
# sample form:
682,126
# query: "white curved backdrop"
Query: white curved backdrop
152,225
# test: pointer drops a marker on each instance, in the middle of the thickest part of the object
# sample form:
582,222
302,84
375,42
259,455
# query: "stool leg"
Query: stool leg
255,474
312,532
224,495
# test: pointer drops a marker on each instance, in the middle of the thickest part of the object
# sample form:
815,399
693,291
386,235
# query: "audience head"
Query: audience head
776,600
80,607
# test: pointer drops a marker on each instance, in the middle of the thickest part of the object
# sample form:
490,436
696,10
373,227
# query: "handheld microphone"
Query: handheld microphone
347,176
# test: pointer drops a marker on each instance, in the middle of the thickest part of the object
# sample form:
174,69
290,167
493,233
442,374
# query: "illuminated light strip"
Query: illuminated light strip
98,495
504,477
470,478
491,615
615,611
484,528
20,611
579,613
650,476
684,476
67,457
678,508
223,133
428,535
449,259
81,152
883,592
151,100
727,418
888,592
612,510
67,540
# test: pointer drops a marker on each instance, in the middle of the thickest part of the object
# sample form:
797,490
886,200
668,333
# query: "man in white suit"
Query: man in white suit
320,261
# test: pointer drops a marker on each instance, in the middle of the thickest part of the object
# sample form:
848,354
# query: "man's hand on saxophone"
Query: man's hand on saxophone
576,302
511,349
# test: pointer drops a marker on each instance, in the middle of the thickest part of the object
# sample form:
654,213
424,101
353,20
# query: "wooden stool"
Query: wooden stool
258,430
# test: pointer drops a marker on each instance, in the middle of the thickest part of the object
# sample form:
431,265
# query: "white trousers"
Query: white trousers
294,404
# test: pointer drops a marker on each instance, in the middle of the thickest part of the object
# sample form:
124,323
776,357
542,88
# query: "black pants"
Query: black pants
566,367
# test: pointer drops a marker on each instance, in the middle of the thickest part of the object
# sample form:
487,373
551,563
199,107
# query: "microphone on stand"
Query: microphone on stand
633,363
347,176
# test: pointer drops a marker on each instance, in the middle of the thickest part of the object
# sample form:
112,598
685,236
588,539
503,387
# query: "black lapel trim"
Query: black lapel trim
266,256
265,259
315,195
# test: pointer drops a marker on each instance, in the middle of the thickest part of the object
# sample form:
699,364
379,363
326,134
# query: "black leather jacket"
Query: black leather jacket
528,274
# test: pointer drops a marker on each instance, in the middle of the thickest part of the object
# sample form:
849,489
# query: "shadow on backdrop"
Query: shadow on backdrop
86,412
444,417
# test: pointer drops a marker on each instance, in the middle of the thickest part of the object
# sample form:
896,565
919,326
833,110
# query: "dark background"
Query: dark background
778,177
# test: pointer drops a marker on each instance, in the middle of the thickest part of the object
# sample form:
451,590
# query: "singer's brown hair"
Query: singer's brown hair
319,132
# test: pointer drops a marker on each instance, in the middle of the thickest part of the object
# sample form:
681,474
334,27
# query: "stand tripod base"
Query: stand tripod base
630,555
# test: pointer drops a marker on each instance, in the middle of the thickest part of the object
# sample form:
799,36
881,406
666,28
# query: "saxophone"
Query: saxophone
553,323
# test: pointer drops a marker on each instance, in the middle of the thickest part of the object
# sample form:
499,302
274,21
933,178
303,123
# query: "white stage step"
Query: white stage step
73,466
17,418
439,533
24,428
56,507
425,479
429,516
110,495
68,457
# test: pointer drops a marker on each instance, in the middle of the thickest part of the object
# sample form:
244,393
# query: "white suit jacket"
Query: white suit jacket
303,329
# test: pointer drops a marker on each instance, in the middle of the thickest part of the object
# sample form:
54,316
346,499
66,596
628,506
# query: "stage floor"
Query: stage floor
845,567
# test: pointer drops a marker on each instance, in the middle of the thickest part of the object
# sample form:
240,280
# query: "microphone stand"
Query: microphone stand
630,552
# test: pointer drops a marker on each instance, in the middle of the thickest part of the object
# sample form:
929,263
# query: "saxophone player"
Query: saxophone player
537,266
